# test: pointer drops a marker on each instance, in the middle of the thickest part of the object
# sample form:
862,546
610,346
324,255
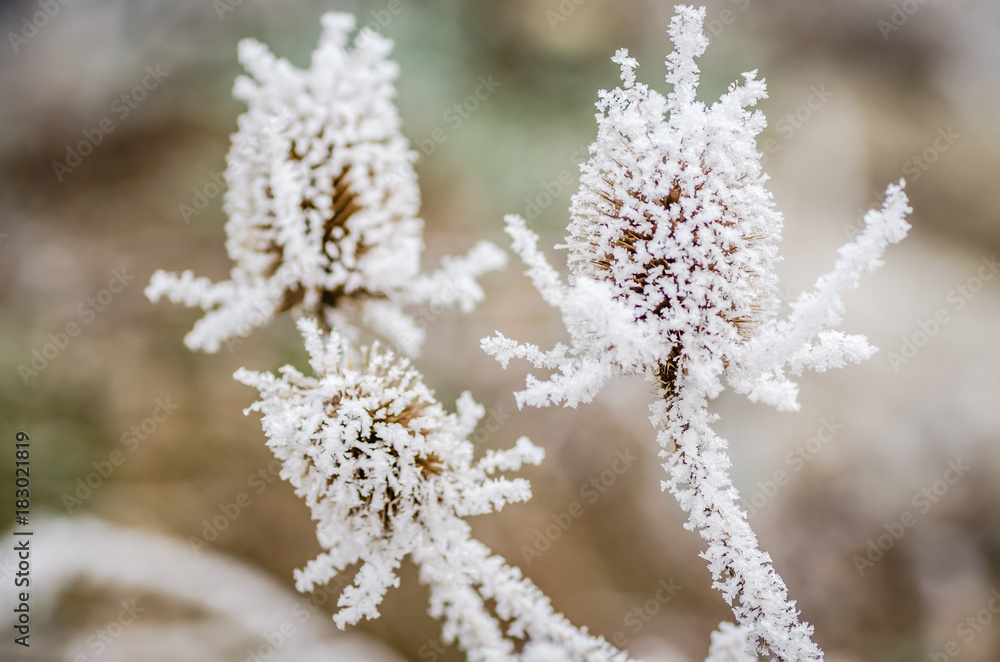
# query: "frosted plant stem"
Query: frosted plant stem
698,477
464,573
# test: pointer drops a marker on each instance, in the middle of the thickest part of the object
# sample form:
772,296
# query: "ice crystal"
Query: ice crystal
672,246
729,644
323,202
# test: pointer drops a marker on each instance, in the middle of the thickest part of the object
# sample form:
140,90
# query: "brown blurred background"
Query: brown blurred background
862,93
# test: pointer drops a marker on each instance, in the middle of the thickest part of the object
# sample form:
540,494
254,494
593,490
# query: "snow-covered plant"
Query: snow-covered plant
322,202
322,206
672,246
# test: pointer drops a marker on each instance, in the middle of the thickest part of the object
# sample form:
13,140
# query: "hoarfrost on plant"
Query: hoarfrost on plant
672,247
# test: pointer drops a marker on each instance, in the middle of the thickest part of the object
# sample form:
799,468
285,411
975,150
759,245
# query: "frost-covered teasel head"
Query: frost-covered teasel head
672,234
672,244
672,212
377,459
323,202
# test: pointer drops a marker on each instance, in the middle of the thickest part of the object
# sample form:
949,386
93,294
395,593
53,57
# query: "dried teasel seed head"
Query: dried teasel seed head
672,239
683,232
379,462
375,442
323,203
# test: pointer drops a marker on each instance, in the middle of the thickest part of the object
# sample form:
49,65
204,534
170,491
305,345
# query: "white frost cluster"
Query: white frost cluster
323,202
388,473
672,245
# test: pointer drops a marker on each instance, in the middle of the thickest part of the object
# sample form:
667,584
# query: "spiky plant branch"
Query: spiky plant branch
322,222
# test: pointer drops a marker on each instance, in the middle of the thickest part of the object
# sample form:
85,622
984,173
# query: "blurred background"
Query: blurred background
879,501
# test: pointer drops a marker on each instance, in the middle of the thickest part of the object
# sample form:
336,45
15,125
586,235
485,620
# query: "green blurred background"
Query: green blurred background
861,94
